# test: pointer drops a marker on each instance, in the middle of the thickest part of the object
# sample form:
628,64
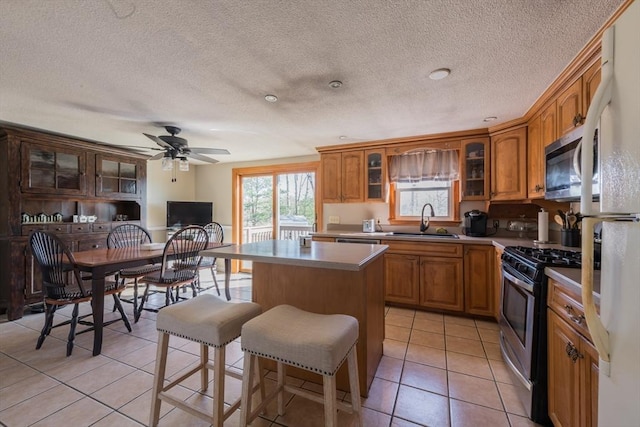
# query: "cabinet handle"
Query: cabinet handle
539,187
573,352
575,319
577,120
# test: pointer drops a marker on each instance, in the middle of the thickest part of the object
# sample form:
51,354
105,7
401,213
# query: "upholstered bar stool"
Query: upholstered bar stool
315,342
211,322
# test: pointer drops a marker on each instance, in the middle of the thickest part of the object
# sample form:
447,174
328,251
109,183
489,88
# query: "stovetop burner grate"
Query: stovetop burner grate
530,262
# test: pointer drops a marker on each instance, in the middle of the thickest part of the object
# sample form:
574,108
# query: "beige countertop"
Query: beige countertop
345,256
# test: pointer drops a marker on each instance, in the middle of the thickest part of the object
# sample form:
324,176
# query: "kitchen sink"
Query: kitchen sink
429,235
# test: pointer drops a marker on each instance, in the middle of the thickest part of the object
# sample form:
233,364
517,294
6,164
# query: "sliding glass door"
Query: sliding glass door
275,204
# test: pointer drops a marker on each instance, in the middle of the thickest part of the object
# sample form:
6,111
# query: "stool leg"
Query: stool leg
282,373
218,385
354,384
204,372
158,379
330,408
247,385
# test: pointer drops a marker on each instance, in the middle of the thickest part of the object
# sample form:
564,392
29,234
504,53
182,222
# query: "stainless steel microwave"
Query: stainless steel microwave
562,173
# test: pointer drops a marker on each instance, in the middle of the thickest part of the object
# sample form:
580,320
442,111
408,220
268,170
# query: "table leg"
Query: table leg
97,304
227,278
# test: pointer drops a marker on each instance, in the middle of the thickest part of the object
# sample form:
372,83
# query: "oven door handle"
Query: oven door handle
521,284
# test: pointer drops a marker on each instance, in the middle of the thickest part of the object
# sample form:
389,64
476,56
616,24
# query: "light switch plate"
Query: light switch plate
334,219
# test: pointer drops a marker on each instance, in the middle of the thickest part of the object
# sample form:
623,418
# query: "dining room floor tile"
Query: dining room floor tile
437,370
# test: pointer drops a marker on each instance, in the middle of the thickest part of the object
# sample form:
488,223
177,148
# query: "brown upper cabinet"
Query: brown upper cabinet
52,168
535,159
474,171
509,165
573,103
376,167
343,176
117,177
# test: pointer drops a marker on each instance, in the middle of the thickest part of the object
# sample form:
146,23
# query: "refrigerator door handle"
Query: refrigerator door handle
598,332
601,98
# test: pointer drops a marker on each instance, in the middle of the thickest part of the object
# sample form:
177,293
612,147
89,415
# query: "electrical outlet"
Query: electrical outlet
496,224
334,219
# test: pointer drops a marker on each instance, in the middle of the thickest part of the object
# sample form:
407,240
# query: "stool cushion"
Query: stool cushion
315,342
206,319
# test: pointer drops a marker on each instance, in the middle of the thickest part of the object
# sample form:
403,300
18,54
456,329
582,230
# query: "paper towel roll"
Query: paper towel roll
543,226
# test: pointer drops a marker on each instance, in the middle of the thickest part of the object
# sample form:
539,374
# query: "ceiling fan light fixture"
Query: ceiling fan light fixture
167,163
439,74
184,164
270,98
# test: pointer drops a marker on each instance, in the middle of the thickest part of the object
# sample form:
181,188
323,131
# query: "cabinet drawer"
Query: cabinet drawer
103,227
568,306
54,227
96,242
425,248
81,227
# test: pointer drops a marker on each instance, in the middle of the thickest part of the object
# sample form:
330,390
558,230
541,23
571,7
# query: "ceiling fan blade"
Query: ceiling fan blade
157,156
203,150
158,141
201,158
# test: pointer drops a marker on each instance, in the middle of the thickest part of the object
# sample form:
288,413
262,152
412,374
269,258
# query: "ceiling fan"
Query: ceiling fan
174,147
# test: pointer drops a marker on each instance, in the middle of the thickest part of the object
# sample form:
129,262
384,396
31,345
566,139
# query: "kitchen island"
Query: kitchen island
327,278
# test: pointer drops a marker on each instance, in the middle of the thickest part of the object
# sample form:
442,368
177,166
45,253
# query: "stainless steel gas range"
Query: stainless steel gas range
523,321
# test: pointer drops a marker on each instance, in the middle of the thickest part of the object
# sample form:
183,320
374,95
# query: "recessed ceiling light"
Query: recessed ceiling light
343,137
490,118
439,74
271,98
335,84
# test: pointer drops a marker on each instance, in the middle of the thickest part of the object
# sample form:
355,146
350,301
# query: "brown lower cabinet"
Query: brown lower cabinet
572,363
442,276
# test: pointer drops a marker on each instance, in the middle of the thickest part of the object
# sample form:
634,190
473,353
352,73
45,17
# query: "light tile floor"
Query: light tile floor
437,370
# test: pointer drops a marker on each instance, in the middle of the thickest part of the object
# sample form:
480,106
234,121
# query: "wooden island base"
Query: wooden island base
330,291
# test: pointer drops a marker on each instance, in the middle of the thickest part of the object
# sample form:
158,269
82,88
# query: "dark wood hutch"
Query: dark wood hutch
47,182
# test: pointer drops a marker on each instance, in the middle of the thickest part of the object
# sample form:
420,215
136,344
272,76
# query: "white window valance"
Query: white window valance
438,165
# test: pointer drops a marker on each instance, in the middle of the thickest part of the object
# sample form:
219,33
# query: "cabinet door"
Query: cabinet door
331,165
590,82
401,276
509,165
589,388
563,373
478,280
475,169
353,176
441,283
118,178
53,169
549,124
28,271
570,112
535,159
376,167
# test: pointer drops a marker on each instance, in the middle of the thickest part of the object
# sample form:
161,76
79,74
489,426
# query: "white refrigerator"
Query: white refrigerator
616,329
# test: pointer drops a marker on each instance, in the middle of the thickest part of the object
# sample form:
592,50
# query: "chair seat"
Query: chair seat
206,319
315,342
129,273
68,294
170,277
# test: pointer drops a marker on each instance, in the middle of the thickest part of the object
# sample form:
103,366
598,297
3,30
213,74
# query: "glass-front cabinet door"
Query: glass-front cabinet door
375,175
117,177
50,168
475,169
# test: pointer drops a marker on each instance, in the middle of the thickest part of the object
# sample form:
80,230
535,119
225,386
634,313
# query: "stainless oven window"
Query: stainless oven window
515,302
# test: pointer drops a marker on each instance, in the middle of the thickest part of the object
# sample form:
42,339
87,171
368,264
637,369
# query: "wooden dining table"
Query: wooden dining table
103,262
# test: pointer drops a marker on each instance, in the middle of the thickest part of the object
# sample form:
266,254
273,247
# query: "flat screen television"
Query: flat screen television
181,214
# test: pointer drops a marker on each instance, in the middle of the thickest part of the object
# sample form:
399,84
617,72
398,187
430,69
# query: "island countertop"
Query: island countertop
334,256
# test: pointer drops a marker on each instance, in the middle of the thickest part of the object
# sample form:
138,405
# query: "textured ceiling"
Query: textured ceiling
109,70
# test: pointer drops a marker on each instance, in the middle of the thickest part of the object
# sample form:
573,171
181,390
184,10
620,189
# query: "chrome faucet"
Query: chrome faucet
425,225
